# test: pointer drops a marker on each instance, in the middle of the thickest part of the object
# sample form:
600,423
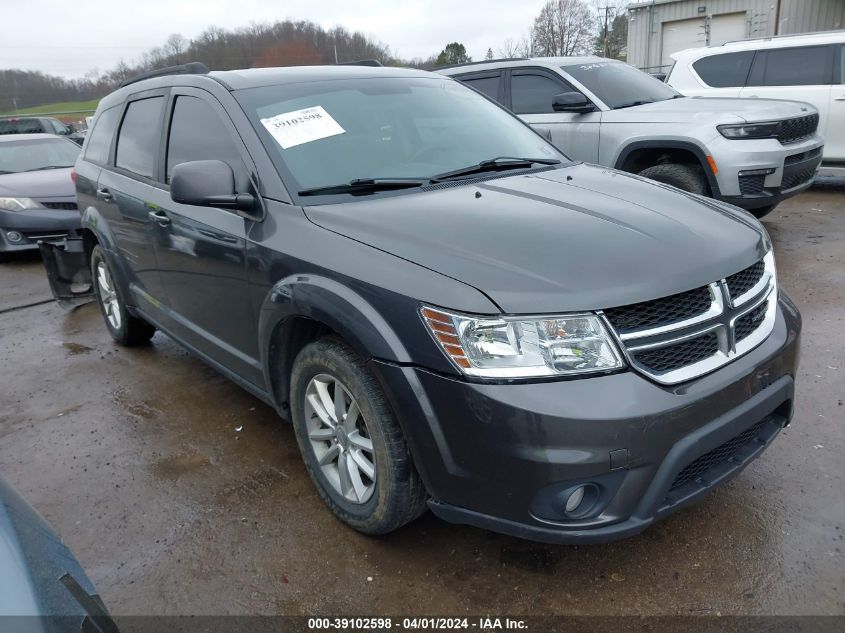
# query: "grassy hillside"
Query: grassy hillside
67,106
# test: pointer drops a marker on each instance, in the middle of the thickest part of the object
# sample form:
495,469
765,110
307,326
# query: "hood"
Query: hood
47,183
568,239
700,109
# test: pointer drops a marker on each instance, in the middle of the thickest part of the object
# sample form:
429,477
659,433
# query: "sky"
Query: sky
70,39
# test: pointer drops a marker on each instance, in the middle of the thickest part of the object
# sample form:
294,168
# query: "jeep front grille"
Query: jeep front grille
686,335
797,129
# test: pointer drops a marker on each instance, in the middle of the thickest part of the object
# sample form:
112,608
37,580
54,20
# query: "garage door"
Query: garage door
680,35
727,27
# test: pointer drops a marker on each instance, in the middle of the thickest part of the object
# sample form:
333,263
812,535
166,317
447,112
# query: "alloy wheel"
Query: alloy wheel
108,295
339,438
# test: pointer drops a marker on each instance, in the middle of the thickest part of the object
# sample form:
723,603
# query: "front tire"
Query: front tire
351,442
685,177
124,328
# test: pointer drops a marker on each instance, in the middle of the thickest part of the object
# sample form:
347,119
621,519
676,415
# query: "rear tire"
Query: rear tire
124,328
341,415
685,177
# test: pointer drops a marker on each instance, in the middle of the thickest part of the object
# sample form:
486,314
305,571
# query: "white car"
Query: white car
809,68
753,154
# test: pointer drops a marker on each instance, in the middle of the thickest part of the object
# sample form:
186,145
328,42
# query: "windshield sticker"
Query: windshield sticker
302,126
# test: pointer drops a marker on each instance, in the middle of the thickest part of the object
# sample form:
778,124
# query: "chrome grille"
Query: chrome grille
745,280
693,350
681,337
666,310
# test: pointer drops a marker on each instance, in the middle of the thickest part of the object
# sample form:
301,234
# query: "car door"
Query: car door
201,250
123,191
798,73
530,92
835,132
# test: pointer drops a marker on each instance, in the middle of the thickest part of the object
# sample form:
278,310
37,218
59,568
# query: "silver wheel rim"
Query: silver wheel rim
339,437
108,295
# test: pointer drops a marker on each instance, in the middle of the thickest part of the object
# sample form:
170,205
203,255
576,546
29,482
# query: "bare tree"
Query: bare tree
564,27
175,46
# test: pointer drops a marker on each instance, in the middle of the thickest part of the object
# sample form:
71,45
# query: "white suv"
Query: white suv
753,154
808,68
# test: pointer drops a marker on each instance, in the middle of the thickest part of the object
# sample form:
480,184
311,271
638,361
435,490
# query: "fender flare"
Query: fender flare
689,146
331,304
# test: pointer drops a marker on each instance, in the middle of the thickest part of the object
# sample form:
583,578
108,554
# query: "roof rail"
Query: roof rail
362,62
486,61
191,68
787,35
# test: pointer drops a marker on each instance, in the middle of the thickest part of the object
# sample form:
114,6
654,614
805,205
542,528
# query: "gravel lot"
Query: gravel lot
135,458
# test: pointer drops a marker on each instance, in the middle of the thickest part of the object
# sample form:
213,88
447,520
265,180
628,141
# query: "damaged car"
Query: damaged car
452,313
37,193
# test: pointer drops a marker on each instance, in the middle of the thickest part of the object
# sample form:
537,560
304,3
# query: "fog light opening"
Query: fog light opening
14,237
574,500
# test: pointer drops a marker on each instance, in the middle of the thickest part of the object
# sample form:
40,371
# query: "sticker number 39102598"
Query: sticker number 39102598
302,126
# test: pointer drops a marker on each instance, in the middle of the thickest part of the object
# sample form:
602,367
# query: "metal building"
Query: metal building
658,28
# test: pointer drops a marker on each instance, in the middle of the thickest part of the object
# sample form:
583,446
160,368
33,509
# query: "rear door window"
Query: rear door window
138,140
198,133
487,85
729,70
797,66
532,93
21,126
99,138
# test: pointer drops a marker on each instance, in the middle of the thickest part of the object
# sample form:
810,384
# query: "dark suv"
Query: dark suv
452,313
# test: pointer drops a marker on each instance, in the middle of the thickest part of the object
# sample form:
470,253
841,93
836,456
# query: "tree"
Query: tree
174,46
489,54
614,45
564,27
454,53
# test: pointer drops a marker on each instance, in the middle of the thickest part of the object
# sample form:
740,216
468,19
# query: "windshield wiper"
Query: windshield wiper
46,167
495,164
361,186
631,104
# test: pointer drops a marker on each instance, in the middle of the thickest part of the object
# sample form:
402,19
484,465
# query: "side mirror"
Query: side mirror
571,102
208,183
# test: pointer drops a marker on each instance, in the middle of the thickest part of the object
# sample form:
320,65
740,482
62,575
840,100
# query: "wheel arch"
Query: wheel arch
638,155
303,308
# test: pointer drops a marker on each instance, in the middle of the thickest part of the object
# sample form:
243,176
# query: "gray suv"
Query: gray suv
753,153
452,314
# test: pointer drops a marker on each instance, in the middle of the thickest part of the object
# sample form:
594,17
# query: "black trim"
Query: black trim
715,192
191,68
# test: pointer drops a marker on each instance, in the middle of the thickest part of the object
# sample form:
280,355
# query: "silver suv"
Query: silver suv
751,153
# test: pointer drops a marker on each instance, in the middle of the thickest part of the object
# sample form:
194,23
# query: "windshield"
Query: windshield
619,85
331,132
37,154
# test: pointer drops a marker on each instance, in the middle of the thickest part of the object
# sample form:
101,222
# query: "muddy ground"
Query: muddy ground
134,456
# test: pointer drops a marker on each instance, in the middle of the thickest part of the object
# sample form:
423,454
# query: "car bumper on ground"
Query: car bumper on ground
22,230
761,173
506,456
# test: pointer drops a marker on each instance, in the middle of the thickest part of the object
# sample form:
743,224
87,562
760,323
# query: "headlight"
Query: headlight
750,130
520,347
18,204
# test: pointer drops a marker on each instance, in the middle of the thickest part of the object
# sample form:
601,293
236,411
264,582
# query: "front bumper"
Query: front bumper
51,225
498,456
793,166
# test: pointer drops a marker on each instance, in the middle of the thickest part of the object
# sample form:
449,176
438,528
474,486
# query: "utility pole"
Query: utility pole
777,17
607,11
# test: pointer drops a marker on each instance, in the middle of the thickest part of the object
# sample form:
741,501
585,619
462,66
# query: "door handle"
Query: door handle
104,194
159,217
842,98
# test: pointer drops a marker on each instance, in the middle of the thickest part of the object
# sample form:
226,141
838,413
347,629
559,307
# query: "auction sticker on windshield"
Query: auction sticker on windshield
302,126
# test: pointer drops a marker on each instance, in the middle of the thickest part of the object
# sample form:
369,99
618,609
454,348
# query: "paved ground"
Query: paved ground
134,456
